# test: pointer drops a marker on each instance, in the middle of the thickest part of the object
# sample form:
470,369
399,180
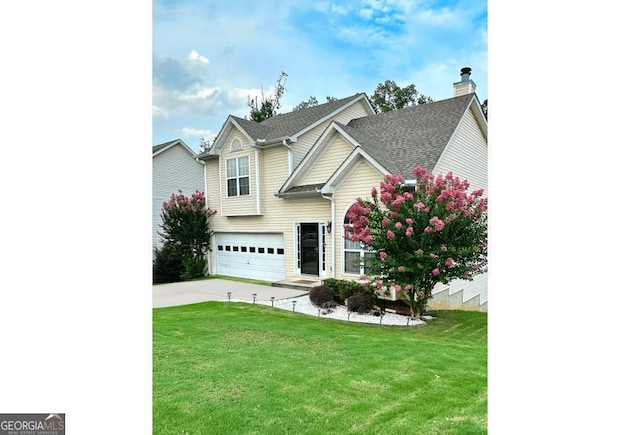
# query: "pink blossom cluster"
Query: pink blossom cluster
409,230
195,203
452,191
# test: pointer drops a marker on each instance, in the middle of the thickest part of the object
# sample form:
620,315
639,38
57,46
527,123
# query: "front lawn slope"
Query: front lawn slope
238,368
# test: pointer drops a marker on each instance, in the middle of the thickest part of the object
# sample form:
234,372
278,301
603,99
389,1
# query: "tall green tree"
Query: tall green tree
267,107
433,234
185,232
389,96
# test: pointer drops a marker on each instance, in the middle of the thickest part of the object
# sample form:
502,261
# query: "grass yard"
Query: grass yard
236,368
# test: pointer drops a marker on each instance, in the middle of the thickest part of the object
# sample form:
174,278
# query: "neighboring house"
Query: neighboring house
282,187
175,167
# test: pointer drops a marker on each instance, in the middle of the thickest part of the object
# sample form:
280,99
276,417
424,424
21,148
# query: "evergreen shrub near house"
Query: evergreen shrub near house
322,294
360,303
194,267
345,288
167,265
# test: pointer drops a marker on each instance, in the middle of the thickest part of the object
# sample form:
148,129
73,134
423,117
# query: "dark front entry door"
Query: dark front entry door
309,249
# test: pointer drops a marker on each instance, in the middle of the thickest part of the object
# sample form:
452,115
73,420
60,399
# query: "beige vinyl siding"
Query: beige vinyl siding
273,166
213,184
278,215
280,219
358,185
466,155
275,170
332,157
241,205
306,141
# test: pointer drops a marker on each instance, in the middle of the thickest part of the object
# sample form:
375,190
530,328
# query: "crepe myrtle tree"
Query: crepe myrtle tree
185,230
435,232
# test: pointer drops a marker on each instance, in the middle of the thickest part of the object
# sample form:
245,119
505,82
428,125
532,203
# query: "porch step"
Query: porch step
298,284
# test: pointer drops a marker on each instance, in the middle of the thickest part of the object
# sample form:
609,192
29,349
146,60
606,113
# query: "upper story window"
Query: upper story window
236,145
238,176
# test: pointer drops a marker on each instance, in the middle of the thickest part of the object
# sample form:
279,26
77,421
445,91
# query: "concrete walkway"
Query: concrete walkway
191,292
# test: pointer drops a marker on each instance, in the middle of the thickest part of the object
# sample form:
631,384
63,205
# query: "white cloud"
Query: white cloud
406,6
340,10
366,13
377,5
194,55
159,113
196,132
200,94
438,17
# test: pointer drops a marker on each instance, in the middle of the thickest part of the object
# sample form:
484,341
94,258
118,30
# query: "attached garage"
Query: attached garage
250,255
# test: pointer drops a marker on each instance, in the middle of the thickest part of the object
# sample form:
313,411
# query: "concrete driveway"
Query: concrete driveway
191,292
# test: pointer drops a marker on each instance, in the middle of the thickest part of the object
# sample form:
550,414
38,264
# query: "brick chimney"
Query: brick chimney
465,85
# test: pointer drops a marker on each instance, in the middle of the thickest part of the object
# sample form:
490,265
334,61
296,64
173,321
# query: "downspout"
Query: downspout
206,204
333,233
258,193
284,142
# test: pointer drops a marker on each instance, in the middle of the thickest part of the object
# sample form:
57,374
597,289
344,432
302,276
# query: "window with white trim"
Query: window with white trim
238,176
355,255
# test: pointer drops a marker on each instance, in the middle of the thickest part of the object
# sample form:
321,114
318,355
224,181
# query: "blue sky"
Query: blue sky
208,57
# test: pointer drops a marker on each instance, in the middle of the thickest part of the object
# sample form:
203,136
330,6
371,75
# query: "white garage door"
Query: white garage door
250,255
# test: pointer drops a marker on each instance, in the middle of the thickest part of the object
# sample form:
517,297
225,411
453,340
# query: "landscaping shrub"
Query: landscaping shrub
345,288
321,294
167,265
194,267
360,303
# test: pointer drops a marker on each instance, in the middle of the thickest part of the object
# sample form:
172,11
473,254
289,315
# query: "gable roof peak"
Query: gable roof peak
289,124
411,136
157,149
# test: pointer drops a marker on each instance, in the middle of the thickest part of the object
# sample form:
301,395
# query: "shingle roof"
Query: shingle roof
307,188
406,138
157,148
373,145
288,124
162,146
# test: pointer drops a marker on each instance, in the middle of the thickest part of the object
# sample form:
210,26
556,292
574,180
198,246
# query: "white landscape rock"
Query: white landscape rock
303,304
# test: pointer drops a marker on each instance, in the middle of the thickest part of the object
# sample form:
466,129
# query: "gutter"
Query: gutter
298,194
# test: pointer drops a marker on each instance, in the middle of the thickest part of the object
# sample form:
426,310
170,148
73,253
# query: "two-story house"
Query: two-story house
282,187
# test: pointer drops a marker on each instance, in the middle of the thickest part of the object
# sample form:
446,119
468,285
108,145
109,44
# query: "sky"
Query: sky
209,57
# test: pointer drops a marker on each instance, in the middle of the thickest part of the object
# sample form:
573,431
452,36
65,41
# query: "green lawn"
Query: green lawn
236,368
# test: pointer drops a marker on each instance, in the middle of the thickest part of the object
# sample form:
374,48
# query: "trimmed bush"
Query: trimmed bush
194,267
345,288
167,265
321,294
360,303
